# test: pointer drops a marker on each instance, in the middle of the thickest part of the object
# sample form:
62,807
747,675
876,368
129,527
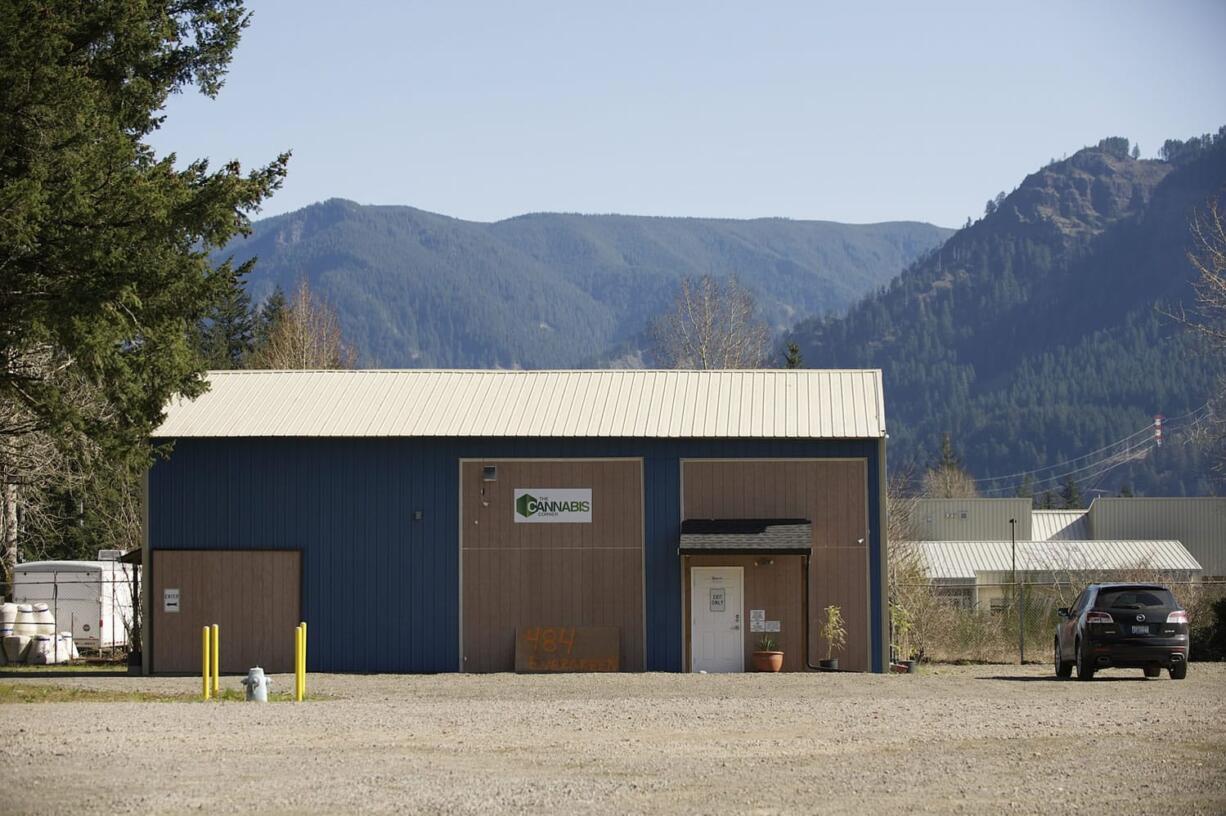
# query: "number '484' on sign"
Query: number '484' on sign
550,640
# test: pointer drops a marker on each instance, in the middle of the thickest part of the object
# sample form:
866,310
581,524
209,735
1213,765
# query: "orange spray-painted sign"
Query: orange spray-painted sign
541,649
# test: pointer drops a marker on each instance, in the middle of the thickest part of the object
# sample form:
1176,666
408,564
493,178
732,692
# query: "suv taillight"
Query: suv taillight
1178,616
1099,617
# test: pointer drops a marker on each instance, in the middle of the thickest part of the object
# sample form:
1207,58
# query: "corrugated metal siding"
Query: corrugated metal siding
380,590
966,559
1060,525
792,404
1198,523
971,519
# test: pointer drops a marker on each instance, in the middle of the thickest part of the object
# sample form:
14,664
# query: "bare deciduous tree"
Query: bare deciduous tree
307,337
1208,258
38,453
947,479
712,325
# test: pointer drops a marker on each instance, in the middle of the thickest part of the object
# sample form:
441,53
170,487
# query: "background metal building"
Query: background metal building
360,474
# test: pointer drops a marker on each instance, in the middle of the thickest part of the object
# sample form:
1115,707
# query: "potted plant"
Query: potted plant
900,618
835,634
766,658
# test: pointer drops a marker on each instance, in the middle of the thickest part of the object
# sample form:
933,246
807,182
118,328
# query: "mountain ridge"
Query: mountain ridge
415,288
1037,333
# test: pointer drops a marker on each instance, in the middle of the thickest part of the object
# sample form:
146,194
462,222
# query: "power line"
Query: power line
1099,467
1147,430
1102,464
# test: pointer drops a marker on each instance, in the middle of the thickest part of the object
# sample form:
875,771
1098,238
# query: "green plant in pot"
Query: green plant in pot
767,657
834,632
904,653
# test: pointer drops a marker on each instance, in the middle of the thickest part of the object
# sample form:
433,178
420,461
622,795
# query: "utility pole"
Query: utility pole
1017,597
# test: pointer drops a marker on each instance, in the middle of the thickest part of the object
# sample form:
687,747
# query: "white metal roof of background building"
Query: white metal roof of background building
964,559
1060,525
797,403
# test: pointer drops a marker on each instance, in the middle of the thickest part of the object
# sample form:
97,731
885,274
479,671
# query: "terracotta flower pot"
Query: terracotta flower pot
767,661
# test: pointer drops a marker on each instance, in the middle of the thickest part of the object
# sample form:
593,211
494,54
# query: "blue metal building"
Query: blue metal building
361,475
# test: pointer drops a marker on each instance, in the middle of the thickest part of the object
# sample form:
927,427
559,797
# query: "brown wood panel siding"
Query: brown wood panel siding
252,595
517,575
839,576
776,587
833,496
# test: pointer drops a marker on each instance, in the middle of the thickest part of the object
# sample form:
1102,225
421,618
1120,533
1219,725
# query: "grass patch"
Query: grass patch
45,693
91,667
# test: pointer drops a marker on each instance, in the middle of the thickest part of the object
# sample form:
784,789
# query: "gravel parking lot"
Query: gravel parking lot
952,739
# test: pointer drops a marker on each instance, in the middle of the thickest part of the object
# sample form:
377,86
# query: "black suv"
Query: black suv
1132,626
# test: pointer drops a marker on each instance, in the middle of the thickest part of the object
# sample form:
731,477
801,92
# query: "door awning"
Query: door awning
746,536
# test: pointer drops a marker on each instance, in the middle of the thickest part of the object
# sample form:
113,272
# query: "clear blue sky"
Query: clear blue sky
850,112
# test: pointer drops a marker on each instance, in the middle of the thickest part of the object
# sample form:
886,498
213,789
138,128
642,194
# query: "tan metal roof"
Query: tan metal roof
1060,525
797,404
965,559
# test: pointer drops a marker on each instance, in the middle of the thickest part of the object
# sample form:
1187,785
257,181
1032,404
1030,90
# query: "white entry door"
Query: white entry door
717,636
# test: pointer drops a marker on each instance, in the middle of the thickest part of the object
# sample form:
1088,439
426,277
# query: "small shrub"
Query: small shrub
834,631
1208,635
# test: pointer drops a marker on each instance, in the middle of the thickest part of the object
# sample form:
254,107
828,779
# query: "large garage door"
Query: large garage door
252,595
571,569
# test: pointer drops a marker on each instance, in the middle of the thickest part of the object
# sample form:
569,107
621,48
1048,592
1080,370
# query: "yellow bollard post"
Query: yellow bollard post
205,660
216,661
297,664
304,660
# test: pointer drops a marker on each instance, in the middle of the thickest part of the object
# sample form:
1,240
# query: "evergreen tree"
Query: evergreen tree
227,336
272,312
791,357
1070,495
105,247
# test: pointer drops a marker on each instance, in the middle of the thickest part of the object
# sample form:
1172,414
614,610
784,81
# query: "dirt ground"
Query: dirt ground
953,739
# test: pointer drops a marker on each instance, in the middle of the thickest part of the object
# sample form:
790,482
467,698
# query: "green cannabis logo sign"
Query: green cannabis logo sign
544,505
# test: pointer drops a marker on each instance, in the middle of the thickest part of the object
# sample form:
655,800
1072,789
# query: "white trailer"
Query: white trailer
92,599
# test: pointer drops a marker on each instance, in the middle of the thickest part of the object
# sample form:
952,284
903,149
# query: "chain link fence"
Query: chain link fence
98,606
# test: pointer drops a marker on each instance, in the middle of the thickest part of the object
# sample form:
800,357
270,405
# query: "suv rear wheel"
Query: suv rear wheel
1179,670
1153,671
1064,668
1084,670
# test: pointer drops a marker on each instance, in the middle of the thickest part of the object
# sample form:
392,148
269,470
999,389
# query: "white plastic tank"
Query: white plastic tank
68,646
8,617
25,624
44,620
41,650
15,647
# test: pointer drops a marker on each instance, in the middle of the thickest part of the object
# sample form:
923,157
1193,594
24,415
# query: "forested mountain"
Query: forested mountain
413,288
1038,333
